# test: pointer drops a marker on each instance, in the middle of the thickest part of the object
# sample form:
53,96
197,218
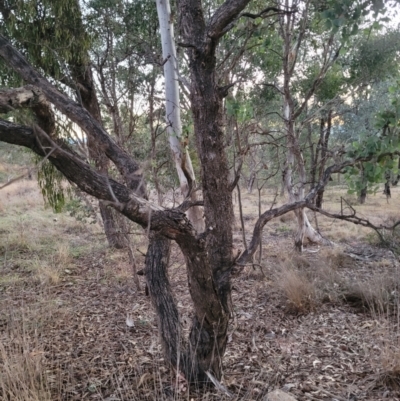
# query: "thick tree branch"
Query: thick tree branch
261,222
27,96
129,169
171,223
224,16
32,97
262,14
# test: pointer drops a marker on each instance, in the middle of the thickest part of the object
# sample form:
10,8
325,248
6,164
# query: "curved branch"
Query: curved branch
129,168
223,16
172,223
261,222
353,218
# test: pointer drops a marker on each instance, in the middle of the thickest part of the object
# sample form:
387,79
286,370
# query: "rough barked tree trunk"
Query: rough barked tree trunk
156,271
323,144
209,258
112,226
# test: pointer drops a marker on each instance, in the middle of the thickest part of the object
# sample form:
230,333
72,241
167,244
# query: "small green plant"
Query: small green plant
80,210
284,229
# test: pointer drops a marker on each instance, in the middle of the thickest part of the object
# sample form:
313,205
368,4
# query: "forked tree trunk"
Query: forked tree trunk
209,256
202,352
289,24
297,192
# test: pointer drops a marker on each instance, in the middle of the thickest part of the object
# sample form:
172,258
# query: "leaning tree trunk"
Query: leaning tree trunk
84,86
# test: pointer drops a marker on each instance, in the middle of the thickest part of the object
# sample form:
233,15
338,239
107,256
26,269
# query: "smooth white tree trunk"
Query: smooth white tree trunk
179,150
297,192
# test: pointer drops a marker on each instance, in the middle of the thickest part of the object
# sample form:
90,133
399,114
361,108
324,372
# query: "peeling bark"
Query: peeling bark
178,146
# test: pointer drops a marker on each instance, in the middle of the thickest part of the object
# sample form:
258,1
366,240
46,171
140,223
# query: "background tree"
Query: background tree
48,27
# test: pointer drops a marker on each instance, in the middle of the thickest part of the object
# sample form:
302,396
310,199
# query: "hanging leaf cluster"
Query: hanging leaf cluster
51,33
51,184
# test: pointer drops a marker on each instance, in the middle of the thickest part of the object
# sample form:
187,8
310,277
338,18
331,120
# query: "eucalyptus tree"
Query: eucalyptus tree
56,42
320,115
309,41
210,256
373,70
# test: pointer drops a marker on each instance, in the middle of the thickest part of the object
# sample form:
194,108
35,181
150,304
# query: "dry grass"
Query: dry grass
75,295
23,373
299,290
380,294
387,364
336,258
389,371
37,245
45,273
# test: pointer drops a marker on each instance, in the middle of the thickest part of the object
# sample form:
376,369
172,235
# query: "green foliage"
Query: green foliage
330,87
53,36
390,118
376,57
82,211
242,110
345,16
51,184
380,148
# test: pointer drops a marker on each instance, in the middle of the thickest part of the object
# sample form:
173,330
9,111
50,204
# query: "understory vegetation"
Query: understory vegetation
321,324
199,200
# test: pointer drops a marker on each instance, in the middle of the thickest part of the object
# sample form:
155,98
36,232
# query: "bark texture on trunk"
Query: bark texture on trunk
83,76
209,261
323,145
156,271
